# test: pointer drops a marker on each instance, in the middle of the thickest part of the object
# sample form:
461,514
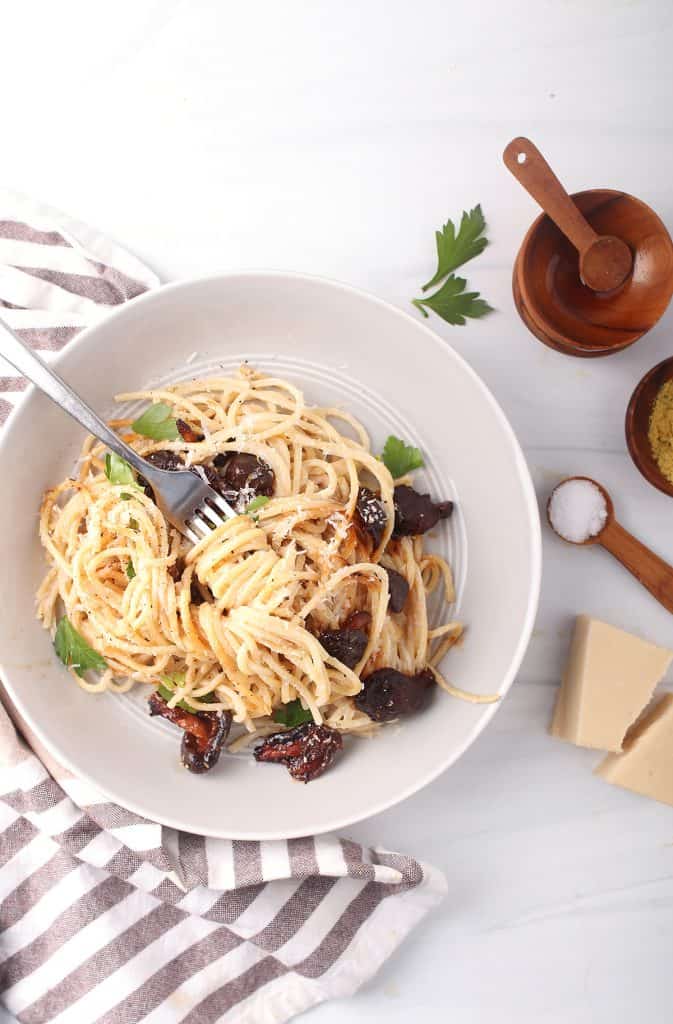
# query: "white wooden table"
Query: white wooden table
334,138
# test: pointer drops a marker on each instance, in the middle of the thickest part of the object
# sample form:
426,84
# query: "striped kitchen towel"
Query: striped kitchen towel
57,275
107,917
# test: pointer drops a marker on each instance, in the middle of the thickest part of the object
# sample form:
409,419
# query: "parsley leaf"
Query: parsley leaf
118,471
125,496
292,714
130,571
73,650
453,303
157,422
173,679
455,249
259,502
134,524
400,458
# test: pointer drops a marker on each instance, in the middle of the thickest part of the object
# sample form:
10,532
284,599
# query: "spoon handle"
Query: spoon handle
648,568
531,170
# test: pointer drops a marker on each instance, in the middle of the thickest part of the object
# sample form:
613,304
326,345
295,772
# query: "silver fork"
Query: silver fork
186,500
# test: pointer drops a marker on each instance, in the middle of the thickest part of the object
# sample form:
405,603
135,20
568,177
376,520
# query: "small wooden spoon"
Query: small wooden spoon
605,261
650,570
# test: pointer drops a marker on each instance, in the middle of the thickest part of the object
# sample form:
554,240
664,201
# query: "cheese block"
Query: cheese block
609,679
646,766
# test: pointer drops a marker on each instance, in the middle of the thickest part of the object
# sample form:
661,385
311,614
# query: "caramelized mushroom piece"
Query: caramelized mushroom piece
165,459
242,477
186,432
204,736
346,645
370,514
306,751
398,590
172,461
199,593
388,694
358,620
237,476
417,513
204,470
176,570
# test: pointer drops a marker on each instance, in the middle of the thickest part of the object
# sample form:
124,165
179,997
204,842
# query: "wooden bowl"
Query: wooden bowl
637,424
561,311
525,315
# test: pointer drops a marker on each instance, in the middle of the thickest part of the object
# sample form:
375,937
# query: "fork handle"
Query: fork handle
31,366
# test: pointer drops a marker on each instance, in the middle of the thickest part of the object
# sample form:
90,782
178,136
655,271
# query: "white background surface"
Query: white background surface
334,138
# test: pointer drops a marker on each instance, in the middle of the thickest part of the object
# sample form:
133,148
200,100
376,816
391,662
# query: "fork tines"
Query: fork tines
205,518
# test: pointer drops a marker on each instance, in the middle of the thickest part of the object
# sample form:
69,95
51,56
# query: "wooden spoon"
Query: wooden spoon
650,570
605,261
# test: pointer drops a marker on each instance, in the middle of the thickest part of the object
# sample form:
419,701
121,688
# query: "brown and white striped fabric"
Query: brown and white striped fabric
57,276
106,917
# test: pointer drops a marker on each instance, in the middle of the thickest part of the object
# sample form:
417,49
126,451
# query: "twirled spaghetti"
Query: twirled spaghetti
235,621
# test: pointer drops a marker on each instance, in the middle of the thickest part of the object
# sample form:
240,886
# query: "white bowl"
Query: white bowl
343,347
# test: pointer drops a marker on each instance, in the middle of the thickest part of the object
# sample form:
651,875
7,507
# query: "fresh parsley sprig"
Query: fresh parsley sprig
259,502
158,423
455,249
400,458
453,303
254,506
292,714
74,651
118,471
166,690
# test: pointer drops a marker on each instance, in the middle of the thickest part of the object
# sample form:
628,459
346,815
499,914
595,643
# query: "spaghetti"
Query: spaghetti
233,623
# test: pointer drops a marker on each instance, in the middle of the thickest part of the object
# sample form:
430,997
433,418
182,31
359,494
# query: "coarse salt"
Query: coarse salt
577,510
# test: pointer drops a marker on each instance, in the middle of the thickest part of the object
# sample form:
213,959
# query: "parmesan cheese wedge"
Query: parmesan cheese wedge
609,679
646,766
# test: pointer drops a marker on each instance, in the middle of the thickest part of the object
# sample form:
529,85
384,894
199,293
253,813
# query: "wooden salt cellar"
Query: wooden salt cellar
606,239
